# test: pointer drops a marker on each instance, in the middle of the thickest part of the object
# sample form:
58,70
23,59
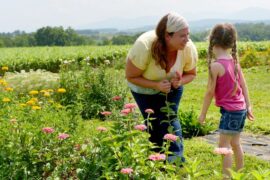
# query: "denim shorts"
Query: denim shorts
232,122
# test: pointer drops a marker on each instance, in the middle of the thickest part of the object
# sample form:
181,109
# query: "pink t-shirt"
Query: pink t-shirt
225,86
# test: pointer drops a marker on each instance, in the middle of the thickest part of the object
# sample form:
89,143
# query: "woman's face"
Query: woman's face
178,40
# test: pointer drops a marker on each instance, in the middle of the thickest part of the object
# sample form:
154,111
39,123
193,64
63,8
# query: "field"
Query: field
53,125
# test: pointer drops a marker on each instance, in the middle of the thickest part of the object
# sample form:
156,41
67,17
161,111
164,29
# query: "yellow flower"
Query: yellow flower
50,90
34,92
43,91
61,90
9,89
4,68
2,81
6,99
22,104
34,99
36,107
47,94
5,84
30,103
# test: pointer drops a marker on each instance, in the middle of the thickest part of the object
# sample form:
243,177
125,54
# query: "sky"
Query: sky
29,15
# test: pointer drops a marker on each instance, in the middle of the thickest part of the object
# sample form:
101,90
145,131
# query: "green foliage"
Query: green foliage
190,125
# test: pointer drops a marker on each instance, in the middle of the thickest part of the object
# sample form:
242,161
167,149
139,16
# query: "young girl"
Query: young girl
227,83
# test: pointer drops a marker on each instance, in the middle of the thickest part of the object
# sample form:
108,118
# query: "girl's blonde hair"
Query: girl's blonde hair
224,36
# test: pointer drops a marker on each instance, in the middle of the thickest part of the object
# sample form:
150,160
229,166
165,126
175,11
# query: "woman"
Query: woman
161,62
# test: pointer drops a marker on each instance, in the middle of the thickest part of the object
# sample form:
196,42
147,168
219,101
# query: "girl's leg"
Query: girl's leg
238,151
225,142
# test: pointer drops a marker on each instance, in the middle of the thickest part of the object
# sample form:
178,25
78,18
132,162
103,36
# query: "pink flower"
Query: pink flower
140,127
223,150
170,137
125,112
48,130
116,98
106,113
157,157
149,111
102,129
130,106
126,170
63,136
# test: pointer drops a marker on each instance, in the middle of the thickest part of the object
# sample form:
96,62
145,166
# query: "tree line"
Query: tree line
58,36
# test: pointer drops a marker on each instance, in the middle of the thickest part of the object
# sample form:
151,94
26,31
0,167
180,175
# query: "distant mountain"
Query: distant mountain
140,24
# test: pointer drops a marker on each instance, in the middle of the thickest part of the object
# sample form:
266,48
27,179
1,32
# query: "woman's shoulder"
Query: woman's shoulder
146,38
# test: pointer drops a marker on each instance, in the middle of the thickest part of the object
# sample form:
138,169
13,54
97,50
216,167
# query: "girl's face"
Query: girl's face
178,40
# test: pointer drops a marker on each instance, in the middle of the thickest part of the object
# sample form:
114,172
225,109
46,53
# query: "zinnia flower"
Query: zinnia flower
157,157
116,98
61,90
223,150
106,113
63,136
170,137
48,130
9,89
149,111
125,112
130,105
140,127
36,107
102,129
126,170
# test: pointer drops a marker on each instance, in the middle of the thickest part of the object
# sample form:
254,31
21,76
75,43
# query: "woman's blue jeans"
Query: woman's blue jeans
158,130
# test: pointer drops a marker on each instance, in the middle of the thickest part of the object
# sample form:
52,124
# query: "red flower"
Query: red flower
116,98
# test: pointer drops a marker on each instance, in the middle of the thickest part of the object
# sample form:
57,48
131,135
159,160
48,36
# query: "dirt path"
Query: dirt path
256,145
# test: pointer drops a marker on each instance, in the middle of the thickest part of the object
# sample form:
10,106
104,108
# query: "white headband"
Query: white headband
175,22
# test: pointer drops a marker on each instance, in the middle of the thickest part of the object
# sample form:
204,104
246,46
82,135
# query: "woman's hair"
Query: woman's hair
225,37
158,49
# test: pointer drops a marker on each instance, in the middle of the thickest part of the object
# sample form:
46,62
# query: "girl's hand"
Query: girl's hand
202,119
164,86
176,80
250,115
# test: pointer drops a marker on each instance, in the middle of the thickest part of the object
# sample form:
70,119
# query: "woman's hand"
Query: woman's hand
176,80
164,86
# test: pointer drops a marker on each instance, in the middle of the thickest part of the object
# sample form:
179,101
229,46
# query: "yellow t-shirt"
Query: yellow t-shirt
140,56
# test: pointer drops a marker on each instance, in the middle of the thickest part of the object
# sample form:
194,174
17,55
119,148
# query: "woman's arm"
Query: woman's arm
246,95
212,80
134,75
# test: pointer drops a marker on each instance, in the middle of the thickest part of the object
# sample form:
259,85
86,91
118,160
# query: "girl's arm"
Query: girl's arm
215,71
245,93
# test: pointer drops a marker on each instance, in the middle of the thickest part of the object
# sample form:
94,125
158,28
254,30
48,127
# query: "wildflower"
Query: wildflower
224,151
9,89
149,111
4,68
106,113
13,121
48,130
23,104
34,99
107,62
125,112
30,103
130,105
34,92
77,147
102,129
140,127
157,157
170,137
6,99
116,98
126,170
61,90
63,136
36,107
46,94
